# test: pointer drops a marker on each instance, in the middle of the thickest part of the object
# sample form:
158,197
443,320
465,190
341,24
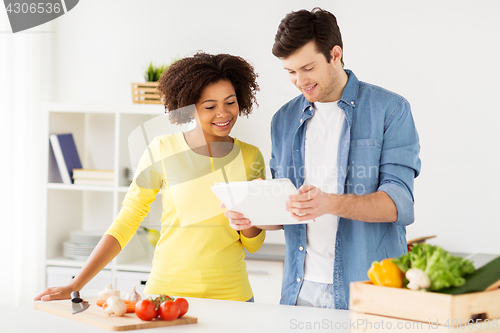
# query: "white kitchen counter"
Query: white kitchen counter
213,316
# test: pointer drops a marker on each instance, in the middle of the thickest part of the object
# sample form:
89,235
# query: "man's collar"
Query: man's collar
350,92
306,104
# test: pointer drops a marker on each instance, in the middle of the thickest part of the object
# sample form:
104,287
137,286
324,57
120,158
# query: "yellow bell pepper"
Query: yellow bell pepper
386,273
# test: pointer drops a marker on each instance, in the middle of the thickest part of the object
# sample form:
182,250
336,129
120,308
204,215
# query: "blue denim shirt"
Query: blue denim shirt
378,151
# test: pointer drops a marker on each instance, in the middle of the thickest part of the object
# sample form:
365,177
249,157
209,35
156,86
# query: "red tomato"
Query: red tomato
146,310
169,310
183,305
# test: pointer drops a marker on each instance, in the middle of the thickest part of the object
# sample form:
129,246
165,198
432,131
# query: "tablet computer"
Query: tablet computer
263,202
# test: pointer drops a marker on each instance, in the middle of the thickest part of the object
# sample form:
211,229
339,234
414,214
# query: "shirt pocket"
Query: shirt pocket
363,166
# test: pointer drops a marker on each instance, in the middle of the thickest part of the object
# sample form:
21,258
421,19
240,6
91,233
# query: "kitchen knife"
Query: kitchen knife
78,304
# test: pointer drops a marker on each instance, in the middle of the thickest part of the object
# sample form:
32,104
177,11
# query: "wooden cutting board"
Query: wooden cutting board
94,315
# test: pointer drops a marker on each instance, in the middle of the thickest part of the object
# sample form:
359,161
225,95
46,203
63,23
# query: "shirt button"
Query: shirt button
298,279
300,120
352,103
301,248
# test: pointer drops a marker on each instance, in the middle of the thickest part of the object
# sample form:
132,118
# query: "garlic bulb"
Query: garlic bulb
133,296
108,292
116,306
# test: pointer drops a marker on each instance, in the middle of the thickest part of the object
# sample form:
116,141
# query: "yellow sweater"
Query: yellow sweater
198,254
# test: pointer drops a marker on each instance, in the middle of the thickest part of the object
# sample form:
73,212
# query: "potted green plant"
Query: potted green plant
147,92
153,72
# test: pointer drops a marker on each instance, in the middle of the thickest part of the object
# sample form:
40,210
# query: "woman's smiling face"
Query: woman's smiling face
217,111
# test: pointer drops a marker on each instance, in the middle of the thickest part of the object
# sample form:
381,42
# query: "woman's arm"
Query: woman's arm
251,232
107,248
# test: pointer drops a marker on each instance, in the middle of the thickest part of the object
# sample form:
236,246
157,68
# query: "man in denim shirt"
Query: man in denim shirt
351,148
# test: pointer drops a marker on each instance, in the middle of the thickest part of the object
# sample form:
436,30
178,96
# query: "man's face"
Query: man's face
309,71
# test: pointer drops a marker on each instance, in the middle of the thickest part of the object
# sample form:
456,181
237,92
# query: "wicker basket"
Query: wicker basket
146,93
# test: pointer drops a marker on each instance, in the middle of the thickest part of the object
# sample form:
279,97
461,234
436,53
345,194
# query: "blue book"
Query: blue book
64,148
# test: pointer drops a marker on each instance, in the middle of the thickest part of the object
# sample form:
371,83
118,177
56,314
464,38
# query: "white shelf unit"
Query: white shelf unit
101,135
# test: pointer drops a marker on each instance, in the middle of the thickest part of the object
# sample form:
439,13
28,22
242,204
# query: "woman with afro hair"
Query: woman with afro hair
198,253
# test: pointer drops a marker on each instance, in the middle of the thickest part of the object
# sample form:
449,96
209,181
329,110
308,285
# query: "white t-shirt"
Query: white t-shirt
321,147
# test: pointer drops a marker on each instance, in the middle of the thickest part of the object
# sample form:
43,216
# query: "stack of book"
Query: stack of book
66,155
93,177
70,166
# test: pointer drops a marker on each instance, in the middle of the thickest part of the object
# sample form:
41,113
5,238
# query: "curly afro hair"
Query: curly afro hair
182,84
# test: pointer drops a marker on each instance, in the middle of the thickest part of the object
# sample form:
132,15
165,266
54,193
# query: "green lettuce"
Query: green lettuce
443,269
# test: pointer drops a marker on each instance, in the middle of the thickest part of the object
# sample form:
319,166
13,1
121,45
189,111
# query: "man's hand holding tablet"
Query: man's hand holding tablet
260,203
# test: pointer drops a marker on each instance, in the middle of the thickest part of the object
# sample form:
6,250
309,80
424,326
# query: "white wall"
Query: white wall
440,55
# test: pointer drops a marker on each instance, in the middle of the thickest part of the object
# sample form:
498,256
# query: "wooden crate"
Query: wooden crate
424,306
146,93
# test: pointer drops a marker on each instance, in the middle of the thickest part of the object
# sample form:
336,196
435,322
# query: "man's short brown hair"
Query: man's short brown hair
299,28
